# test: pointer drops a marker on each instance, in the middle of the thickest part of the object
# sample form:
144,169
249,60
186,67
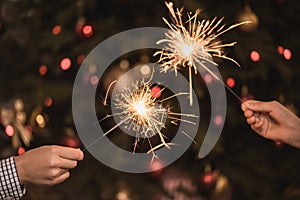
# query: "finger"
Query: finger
258,125
70,153
251,120
259,106
66,163
61,178
248,113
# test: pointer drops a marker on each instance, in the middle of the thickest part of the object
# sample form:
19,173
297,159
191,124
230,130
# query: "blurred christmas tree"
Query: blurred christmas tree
43,43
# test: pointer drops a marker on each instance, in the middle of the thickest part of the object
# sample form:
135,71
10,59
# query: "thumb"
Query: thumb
258,106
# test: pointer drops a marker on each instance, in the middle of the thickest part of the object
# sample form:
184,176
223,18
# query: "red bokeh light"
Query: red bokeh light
287,54
56,30
65,63
230,82
21,150
87,30
43,70
94,80
9,130
156,92
80,58
209,178
208,78
255,56
218,120
48,101
280,50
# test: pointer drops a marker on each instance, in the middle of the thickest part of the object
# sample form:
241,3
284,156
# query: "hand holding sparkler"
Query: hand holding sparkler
273,121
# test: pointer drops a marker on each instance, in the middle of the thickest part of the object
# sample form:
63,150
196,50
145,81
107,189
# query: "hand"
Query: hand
47,165
273,121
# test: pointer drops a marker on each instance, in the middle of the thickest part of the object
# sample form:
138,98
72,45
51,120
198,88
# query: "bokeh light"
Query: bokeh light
124,64
208,178
9,130
280,50
230,82
287,54
208,78
218,120
43,70
94,80
255,56
80,58
48,101
87,30
21,150
56,30
65,63
40,120
156,92
145,70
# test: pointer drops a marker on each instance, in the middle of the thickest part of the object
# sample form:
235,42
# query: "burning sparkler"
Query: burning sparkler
190,43
140,110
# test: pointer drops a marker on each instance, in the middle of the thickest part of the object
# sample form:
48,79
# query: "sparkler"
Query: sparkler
141,111
188,44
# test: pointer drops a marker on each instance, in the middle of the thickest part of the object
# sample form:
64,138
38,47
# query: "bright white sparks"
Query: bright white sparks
189,43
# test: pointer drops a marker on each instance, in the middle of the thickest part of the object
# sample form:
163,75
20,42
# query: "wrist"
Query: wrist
20,170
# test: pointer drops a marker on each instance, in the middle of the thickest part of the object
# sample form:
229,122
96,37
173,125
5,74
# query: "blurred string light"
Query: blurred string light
9,130
87,30
65,63
287,54
43,70
230,82
21,150
40,120
255,56
208,78
56,30
218,120
124,64
94,80
280,50
80,59
48,101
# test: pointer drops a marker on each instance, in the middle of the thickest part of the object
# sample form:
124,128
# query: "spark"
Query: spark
189,43
144,114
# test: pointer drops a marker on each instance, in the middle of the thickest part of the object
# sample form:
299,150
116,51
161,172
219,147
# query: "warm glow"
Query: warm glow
287,54
21,150
48,101
56,30
255,56
94,80
218,120
145,70
230,82
87,30
208,78
80,58
9,130
187,50
156,91
43,70
65,63
40,120
140,108
280,49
